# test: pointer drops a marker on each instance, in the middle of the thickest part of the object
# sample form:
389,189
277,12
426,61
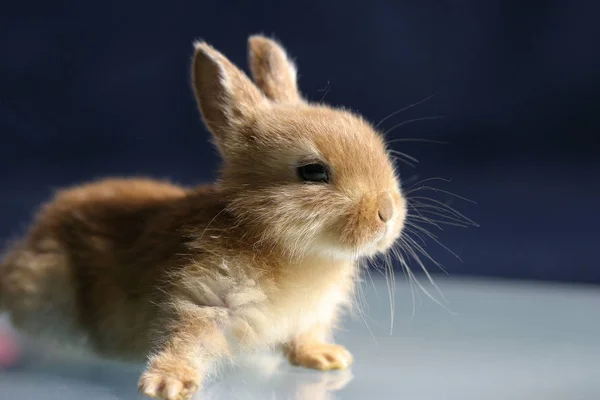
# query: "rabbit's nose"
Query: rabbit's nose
386,206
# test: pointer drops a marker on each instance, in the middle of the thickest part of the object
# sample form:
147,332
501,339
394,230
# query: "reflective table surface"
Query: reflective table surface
487,340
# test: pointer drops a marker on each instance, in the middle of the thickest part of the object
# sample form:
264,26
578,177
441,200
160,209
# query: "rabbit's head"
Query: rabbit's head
308,178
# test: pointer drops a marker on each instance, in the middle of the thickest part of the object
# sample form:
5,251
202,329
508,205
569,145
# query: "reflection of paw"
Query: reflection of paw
324,387
169,386
322,356
334,381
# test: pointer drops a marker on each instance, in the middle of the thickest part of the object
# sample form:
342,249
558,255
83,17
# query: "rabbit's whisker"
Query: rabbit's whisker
410,121
381,121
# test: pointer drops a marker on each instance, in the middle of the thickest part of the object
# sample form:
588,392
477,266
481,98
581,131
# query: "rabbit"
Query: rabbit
266,257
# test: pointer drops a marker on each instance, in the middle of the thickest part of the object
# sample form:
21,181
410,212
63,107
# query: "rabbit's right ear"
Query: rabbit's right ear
227,99
272,70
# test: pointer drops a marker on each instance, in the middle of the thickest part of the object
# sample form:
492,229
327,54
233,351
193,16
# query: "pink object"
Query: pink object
9,349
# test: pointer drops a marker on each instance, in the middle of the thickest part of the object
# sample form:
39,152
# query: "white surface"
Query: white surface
504,341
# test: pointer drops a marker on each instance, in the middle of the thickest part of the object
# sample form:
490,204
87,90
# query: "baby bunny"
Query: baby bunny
267,256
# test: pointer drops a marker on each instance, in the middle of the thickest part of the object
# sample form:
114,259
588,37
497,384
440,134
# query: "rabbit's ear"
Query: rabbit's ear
226,97
272,70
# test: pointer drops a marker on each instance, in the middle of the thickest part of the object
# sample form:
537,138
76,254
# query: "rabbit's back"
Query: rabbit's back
91,265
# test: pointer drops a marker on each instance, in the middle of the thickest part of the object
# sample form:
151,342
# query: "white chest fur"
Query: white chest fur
260,315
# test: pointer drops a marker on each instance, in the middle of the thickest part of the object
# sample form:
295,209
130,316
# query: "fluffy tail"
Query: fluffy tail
10,351
7,261
12,257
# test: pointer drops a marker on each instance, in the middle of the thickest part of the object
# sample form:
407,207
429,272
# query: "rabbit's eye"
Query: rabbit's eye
313,173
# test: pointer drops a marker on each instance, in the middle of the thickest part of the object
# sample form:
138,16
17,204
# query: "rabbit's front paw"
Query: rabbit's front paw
322,356
175,384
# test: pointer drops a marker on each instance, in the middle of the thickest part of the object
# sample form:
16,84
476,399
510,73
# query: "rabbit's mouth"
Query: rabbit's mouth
380,238
380,242
388,235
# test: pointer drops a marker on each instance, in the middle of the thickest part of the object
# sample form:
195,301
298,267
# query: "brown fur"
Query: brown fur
141,269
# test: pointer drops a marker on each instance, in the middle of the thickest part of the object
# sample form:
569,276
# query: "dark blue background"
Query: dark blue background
89,89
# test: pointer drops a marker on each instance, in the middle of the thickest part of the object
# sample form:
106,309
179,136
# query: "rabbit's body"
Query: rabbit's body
184,277
105,260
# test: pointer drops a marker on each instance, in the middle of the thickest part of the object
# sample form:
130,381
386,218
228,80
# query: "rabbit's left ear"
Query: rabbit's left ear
273,72
227,99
